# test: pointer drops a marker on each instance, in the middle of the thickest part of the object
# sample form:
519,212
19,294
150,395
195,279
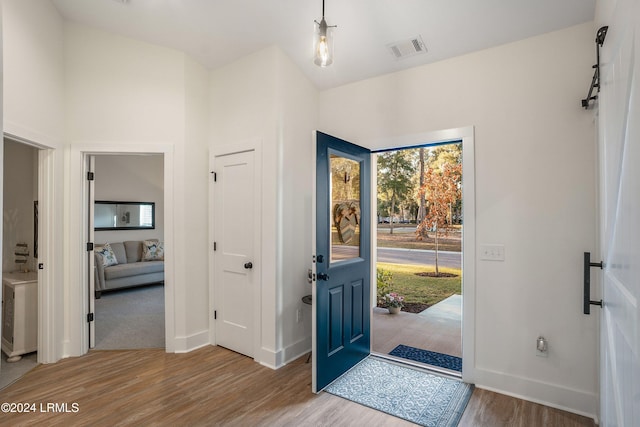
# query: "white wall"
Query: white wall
265,97
535,179
125,95
192,203
68,84
131,178
33,109
298,100
243,107
120,90
20,175
122,93
34,79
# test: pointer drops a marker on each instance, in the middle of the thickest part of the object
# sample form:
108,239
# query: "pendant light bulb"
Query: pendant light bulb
323,49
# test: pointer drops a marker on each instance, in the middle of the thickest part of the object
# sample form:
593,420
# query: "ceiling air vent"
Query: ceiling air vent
406,48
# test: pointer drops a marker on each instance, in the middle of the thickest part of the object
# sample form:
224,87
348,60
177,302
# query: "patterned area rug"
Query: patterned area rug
417,396
429,357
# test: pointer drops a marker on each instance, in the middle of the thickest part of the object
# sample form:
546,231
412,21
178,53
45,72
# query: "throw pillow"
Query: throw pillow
108,257
152,250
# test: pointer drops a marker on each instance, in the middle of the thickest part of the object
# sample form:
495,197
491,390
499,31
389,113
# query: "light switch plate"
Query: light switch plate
492,252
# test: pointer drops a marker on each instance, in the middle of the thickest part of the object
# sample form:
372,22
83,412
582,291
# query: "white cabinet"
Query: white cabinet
19,314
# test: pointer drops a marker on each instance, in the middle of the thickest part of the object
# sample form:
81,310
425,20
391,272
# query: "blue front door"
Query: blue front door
342,257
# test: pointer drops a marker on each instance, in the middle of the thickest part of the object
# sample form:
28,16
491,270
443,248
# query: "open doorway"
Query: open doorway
19,263
127,222
418,315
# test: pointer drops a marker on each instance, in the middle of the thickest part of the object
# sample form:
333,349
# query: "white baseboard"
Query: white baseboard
270,358
553,395
277,359
191,342
66,350
297,349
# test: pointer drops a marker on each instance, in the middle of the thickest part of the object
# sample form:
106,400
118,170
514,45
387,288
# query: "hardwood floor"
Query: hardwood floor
486,408
215,386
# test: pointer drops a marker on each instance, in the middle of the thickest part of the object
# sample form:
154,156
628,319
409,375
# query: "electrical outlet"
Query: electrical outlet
492,252
542,347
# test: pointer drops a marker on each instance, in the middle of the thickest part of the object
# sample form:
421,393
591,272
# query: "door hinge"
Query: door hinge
215,176
89,317
89,246
90,176
41,266
215,246
215,314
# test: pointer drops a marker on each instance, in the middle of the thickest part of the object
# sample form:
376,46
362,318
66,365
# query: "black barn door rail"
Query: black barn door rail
587,303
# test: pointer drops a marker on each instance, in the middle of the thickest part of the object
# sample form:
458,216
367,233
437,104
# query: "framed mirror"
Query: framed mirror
124,215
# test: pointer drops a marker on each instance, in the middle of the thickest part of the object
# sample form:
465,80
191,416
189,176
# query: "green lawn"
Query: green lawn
418,289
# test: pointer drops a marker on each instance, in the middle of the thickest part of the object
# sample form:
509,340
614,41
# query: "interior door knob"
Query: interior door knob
248,265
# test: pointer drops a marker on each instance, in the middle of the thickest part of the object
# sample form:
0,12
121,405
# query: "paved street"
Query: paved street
405,256
418,256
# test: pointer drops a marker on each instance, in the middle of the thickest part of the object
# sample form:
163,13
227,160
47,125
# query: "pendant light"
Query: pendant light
323,42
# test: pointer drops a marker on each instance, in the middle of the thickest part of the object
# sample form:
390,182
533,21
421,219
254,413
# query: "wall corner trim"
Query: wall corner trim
191,342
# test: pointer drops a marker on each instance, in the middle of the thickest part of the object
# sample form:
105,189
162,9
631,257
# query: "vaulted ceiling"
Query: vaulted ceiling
217,32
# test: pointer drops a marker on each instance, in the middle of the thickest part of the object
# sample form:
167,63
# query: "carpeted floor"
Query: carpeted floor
415,395
130,318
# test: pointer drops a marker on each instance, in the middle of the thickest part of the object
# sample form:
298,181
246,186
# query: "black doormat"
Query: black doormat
429,357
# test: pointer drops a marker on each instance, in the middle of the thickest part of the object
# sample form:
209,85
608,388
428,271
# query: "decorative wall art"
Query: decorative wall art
346,217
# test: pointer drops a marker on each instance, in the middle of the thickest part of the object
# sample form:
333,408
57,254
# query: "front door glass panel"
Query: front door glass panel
344,215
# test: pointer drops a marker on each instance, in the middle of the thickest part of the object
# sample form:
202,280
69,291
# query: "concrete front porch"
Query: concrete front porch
438,328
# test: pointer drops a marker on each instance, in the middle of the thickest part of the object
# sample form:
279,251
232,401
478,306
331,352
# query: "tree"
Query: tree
449,153
452,154
395,184
423,201
442,190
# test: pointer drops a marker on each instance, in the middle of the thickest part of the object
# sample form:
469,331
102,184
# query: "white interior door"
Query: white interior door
236,271
619,147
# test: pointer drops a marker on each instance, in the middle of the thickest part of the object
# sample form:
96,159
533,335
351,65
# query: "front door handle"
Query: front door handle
323,276
248,265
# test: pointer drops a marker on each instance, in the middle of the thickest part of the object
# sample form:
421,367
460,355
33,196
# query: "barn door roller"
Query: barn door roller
595,81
